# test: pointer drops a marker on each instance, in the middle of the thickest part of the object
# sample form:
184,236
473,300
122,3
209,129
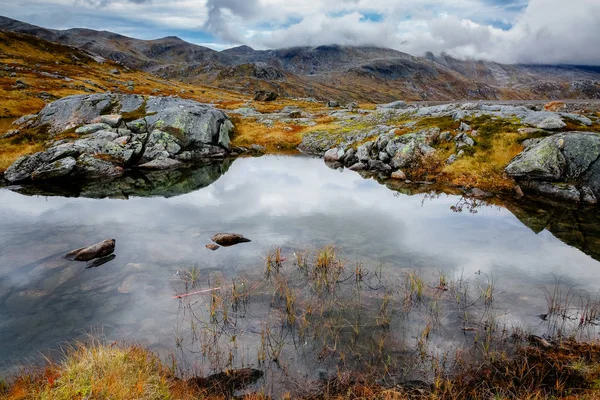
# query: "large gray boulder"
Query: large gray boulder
564,165
166,132
74,111
193,124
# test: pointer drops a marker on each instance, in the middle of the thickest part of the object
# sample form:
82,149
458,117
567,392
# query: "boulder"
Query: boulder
565,166
56,169
228,239
179,130
74,111
97,250
541,161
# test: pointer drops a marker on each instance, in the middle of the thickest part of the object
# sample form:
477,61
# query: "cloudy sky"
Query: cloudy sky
509,31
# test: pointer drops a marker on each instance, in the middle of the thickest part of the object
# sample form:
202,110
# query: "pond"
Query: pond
162,223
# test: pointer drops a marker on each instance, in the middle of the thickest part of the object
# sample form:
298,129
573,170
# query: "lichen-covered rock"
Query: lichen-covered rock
541,161
192,123
91,167
565,166
73,111
160,145
179,130
53,170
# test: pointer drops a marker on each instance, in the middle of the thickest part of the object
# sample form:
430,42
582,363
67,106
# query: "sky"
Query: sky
507,31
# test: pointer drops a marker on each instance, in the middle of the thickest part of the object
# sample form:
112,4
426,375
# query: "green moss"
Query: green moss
444,123
138,113
175,132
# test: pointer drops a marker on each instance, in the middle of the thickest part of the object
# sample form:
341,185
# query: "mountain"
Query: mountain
344,73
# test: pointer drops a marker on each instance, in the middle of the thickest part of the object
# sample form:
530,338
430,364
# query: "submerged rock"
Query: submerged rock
97,250
228,239
212,246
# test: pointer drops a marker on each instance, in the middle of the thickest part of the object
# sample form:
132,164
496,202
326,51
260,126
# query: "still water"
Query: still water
162,224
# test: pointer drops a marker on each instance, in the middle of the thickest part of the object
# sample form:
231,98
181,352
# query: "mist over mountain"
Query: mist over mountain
330,71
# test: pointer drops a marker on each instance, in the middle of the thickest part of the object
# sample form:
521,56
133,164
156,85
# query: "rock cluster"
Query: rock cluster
158,133
387,153
565,165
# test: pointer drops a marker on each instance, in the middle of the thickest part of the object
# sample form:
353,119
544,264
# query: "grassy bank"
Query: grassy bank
95,370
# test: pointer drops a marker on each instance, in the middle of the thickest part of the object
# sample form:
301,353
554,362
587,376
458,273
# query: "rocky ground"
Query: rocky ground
482,148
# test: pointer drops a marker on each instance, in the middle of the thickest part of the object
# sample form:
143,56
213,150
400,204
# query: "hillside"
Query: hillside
345,73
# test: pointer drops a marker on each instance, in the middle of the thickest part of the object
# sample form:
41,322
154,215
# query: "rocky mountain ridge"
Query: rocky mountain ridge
346,73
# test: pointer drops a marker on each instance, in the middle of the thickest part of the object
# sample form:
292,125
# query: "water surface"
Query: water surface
288,202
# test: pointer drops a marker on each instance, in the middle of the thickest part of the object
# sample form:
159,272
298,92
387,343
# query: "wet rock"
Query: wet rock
21,169
56,169
91,167
228,239
334,155
363,152
263,95
257,149
588,196
377,165
96,262
359,166
350,157
97,250
477,193
160,163
212,246
400,175
561,191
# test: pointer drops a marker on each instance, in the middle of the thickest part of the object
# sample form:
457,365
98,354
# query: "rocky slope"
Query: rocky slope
337,72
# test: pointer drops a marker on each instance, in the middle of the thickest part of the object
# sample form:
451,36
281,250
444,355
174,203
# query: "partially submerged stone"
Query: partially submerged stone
97,250
229,239
212,246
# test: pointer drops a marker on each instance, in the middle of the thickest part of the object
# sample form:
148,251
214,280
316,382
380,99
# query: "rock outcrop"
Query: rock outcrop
564,165
117,132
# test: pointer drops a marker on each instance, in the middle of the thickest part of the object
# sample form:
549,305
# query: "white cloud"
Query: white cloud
540,31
